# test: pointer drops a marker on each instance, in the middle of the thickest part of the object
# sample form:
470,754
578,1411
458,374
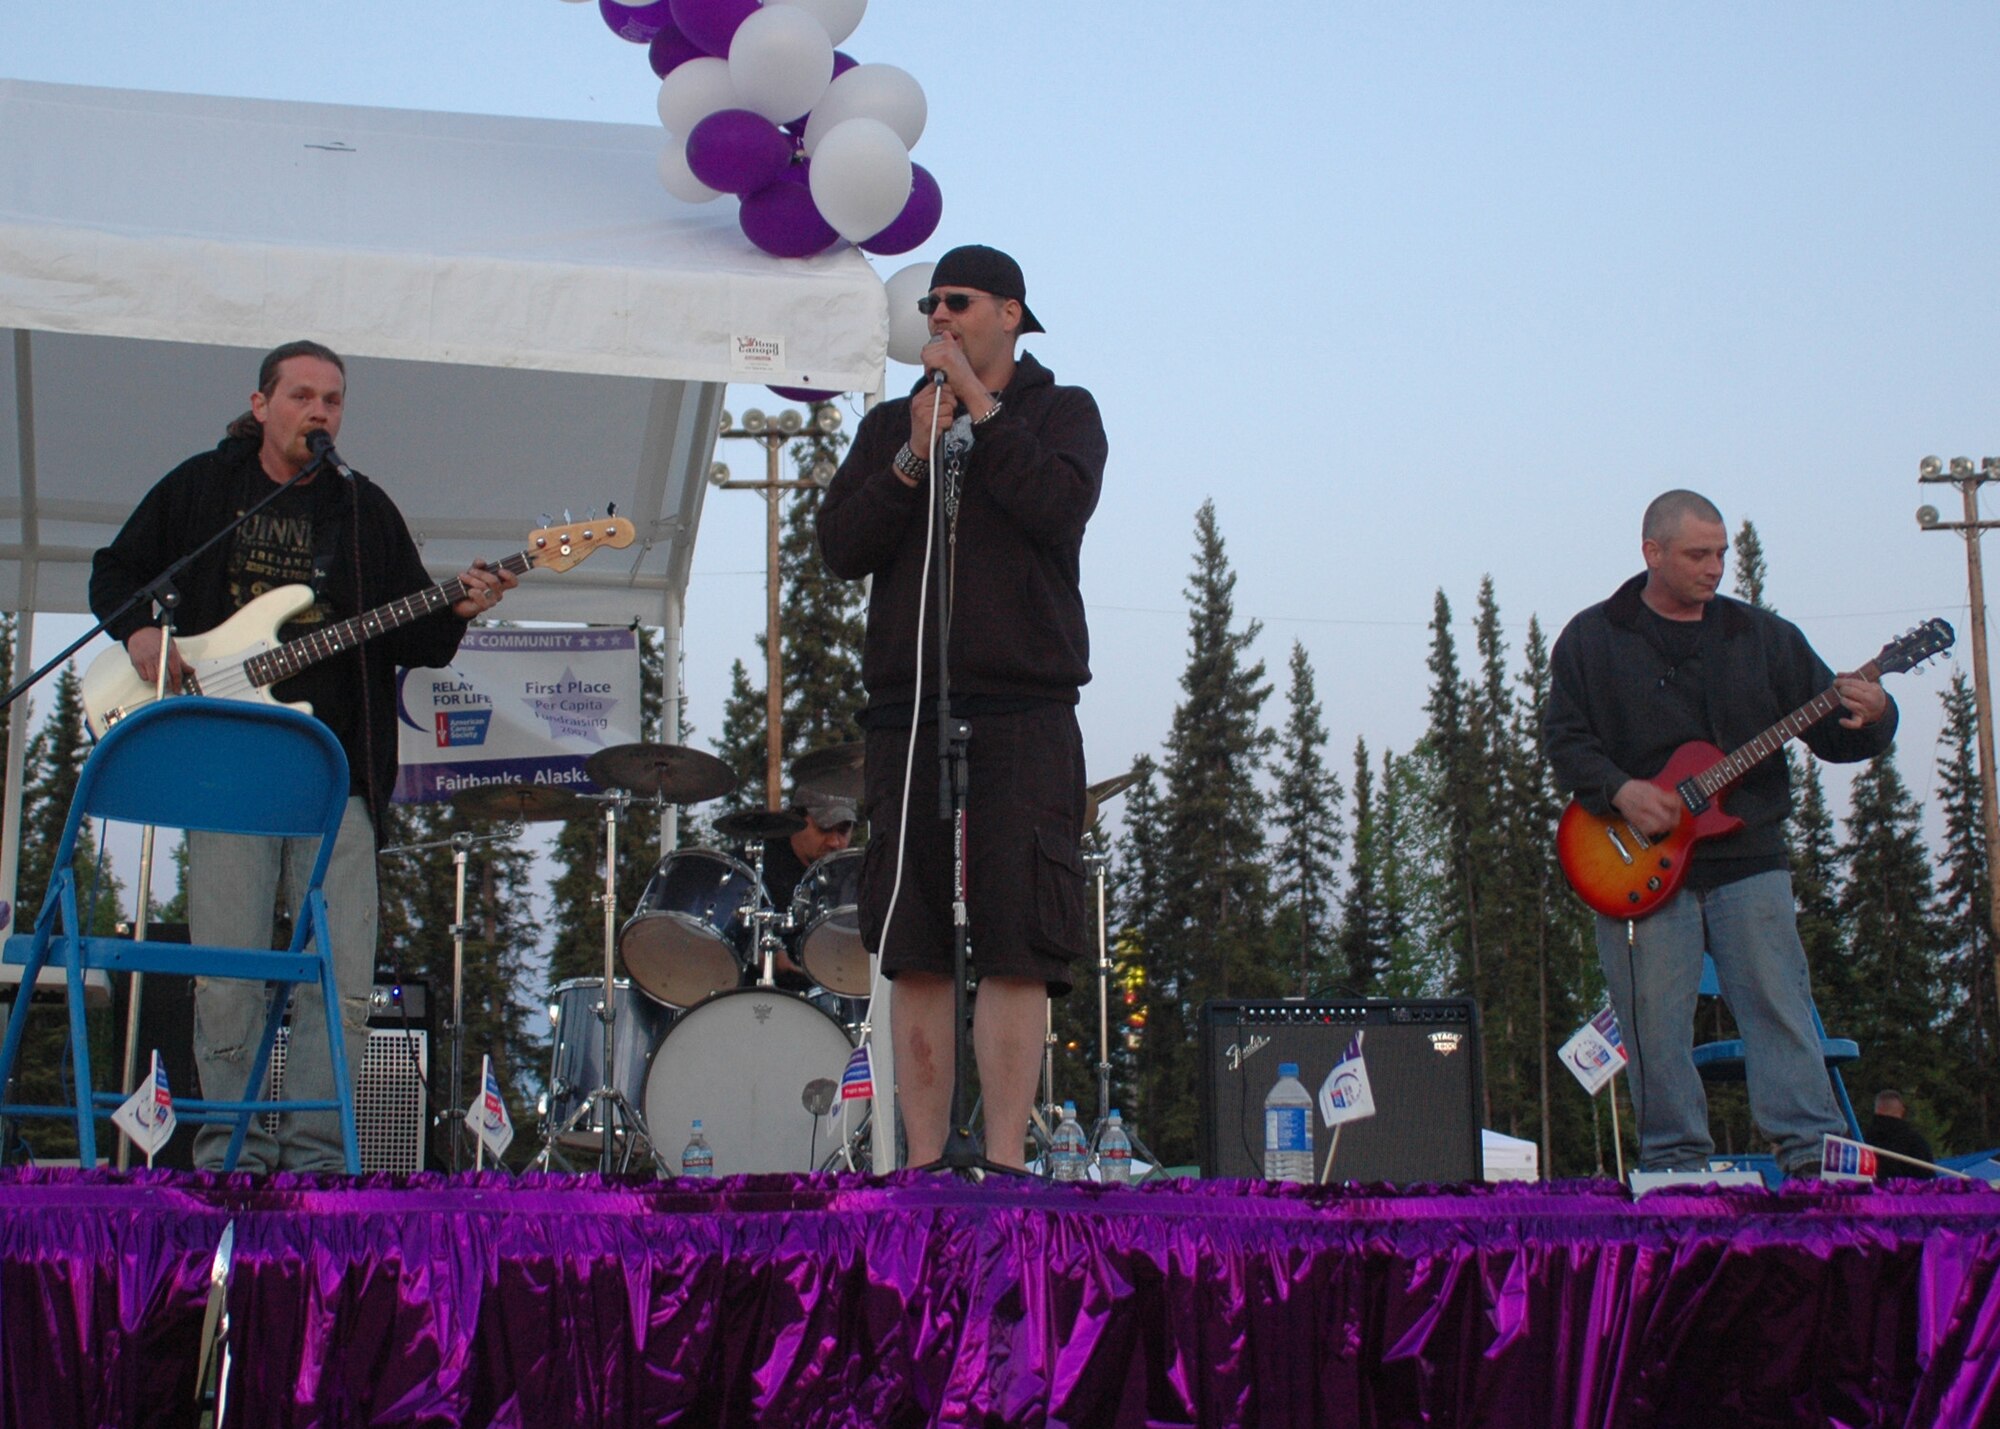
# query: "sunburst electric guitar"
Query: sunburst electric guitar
242,658
1623,874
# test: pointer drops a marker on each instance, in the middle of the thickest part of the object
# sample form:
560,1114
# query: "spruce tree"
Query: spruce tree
1217,898
1307,812
1364,937
1963,906
54,761
1893,938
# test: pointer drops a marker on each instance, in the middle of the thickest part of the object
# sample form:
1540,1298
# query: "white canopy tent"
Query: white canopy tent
532,325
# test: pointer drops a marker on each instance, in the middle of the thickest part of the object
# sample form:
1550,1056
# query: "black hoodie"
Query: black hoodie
1031,483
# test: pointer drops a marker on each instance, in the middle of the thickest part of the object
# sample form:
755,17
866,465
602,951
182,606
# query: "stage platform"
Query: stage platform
916,1300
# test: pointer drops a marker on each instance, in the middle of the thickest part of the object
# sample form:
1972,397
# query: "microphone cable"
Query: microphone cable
909,765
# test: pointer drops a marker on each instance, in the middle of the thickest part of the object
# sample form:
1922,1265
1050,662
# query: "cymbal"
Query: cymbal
1097,795
755,825
529,803
834,772
672,773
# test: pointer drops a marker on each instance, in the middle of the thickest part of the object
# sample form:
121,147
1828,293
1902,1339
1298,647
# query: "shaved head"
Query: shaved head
1664,516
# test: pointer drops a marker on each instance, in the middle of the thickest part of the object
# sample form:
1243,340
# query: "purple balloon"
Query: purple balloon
712,24
780,219
917,221
804,394
671,49
737,152
637,23
842,63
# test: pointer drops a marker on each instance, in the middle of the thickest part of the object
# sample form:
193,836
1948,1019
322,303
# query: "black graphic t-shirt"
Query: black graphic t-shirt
301,539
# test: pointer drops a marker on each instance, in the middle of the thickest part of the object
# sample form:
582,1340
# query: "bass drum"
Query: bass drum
577,1068
742,1062
828,944
687,938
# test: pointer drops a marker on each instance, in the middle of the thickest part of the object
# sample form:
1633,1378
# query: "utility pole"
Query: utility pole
774,434
1931,471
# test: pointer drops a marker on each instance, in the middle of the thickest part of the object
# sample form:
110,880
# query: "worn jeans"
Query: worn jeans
1750,928
233,884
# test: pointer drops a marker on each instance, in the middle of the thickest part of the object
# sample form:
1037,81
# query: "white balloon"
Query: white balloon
693,91
881,92
780,62
860,178
677,178
837,17
908,329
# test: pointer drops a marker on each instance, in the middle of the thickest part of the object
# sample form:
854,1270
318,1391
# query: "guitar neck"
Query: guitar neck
295,655
1746,756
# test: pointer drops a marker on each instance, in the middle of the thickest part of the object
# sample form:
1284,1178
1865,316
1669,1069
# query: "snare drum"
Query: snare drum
687,938
741,1061
577,1068
828,941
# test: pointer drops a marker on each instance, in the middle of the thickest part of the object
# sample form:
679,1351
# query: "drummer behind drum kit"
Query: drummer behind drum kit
699,1027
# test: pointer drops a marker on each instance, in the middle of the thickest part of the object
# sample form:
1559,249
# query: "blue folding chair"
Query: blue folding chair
1723,1061
218,766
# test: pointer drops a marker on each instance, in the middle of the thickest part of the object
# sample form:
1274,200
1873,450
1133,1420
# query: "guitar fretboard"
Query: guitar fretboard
1746,756
295,655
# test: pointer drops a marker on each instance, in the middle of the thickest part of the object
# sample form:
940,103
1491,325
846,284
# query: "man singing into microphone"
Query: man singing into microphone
344,538
1016,501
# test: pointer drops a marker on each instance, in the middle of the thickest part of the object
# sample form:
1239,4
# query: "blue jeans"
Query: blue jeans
1750,928
233,885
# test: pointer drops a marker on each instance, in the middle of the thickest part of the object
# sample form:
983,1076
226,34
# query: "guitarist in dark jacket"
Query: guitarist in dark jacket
1664,661
348,541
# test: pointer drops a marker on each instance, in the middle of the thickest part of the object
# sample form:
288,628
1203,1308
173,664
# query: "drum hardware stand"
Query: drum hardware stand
453,1114
617,1111
1097,860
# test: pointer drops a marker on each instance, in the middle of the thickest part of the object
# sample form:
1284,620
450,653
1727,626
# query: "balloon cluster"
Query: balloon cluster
758,103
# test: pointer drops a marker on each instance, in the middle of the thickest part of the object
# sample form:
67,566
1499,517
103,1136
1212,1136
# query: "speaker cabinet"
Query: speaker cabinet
1422,1056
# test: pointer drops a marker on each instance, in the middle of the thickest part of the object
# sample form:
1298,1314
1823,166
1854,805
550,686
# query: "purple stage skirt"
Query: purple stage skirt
803,1301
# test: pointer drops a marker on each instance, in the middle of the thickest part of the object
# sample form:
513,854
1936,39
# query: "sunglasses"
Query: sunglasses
957,302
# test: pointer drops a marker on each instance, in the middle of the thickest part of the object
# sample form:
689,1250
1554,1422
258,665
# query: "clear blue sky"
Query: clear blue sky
1416,293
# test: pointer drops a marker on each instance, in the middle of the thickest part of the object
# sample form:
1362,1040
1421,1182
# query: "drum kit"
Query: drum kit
697,1025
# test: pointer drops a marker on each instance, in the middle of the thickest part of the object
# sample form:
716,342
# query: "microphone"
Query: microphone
938,378
321,446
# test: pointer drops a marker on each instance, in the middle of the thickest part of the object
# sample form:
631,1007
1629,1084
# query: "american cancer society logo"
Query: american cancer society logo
462,727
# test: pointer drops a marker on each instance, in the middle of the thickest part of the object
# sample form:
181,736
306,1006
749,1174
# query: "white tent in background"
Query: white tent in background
531,324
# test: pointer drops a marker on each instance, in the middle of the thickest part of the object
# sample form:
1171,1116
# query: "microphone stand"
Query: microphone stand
961,1155
164,592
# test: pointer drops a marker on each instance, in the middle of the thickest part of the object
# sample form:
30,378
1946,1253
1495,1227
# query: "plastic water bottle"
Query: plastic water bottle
1114,1153
1069,1148
697,1159
1288,1154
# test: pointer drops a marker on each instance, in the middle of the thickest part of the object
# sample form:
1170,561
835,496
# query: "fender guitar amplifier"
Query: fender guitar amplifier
1422,1056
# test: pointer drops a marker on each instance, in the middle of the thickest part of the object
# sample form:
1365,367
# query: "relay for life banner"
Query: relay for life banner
516,706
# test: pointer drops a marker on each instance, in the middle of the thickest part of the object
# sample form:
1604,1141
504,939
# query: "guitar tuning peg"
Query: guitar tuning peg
610,509
548,520
566,516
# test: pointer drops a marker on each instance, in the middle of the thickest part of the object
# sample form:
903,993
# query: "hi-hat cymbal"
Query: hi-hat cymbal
756,825
1103,792
834,772
529,803
672,773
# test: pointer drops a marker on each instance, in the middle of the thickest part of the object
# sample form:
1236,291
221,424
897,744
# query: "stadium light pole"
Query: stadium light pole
1931,471
774,434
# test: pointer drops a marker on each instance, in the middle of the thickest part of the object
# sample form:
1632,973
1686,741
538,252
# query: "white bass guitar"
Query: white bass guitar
242,658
